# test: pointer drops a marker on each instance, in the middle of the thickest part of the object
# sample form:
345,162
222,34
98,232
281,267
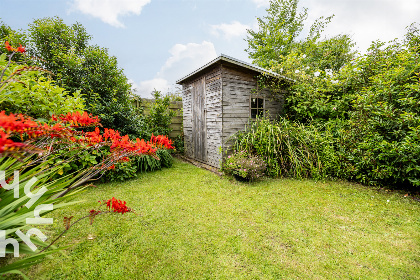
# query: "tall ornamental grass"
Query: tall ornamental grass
290,149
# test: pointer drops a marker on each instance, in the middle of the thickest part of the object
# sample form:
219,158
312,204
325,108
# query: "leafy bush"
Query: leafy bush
179,144
371,102
160,115
366,108
147,163
122,172
244,165
28,92
83,70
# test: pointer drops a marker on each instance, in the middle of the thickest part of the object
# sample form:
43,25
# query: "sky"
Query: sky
157,42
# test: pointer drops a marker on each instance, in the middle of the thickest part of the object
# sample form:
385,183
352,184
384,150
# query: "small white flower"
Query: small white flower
297,71
387,200
281,70
328,72
334,81
316,74
304,56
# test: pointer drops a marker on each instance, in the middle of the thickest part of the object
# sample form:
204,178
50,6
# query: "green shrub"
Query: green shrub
80,67
179,144
290,149
122,172
146,163
160,116
32,94
244,165
366,110
149,163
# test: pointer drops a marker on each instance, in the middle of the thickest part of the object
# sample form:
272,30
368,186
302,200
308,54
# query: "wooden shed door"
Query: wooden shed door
199,120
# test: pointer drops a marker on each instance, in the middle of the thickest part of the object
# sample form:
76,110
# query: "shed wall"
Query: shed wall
238,88
213,117
228,91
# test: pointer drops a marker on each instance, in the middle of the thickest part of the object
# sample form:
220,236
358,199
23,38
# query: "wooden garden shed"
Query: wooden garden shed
219,99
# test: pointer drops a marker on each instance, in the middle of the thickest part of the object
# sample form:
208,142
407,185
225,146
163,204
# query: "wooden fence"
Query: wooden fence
176,123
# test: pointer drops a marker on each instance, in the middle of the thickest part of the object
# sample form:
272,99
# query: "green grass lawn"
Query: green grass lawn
192,224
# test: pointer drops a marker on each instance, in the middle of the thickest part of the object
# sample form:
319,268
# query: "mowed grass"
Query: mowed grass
192,224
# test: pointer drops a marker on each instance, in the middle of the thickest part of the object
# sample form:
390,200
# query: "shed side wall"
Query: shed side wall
238,87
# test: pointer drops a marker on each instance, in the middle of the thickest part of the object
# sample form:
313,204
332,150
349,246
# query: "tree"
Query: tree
65,51
279,35
277,32
59,48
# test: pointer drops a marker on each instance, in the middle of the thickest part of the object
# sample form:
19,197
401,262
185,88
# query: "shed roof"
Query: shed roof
234,61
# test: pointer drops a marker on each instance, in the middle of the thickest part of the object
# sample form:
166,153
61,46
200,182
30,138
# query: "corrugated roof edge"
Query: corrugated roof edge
237,62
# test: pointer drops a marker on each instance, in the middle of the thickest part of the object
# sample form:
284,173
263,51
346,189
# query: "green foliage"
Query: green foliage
146,163
30,92
122,172
279,35
160,115
355,118
290,149
179,144
244,165
14,38
59,48
149,163
14,211
384,119
277,32
370,106
65,51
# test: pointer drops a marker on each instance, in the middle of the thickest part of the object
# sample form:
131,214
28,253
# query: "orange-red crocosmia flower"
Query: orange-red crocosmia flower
8,47
118,206
21,49
94,137
8,145
161,141
76,119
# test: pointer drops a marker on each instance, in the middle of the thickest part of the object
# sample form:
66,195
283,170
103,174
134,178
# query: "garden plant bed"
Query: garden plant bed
193,224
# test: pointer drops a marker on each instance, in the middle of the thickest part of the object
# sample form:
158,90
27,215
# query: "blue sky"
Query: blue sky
157,42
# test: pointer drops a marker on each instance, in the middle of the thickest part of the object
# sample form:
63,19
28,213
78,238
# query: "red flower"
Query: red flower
161,141
95,136
118,206
8,47
78,120
111,134
21,49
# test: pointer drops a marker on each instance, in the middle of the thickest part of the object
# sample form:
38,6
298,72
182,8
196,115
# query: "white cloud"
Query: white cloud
147,87
134,85
261,3
184,59
234,29
386,19
187,58
109,10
